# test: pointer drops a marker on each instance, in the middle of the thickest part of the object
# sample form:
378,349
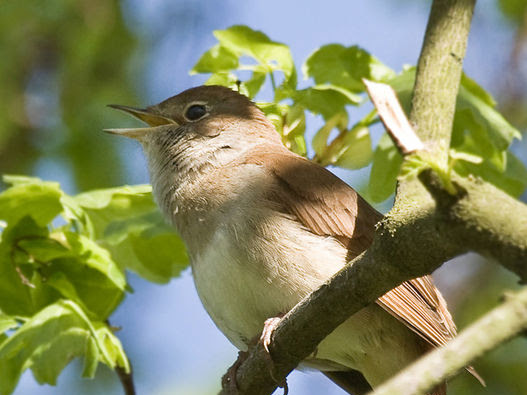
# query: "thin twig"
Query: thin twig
494,328
126,379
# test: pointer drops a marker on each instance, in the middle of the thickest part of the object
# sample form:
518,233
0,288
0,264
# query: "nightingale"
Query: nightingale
265,227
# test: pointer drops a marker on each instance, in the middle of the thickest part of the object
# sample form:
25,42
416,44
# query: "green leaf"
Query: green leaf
157,258
91,358
224,79
467,157
320,140
30,196
471,137
345,67
44,249
324,101
294,128
16,180
386,164
513,180
216,59
499,131
352,149
88,275
38,269
6,322
117,200
276,113
16,269
114,354
48,342
242,40
253,85
403,84
96,257
476,90
414,164
514,10
104,206
128,223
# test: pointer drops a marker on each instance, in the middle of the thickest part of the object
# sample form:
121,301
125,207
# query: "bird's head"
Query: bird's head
201,112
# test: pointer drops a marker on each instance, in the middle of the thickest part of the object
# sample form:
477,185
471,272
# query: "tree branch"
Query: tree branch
496,327
484,218
439,73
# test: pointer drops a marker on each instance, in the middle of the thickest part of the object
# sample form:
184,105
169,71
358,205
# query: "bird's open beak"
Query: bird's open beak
144,115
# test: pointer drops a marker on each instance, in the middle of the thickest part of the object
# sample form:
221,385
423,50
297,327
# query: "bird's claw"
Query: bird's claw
270,325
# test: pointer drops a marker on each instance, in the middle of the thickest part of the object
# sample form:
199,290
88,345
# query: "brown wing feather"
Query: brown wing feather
327,206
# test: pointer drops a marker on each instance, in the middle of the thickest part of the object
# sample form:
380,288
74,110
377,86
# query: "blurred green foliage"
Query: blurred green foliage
514,10
62,61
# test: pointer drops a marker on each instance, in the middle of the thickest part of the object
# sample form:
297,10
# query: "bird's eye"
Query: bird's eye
195,112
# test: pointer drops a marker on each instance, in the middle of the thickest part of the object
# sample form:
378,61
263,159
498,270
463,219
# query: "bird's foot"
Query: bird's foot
270,325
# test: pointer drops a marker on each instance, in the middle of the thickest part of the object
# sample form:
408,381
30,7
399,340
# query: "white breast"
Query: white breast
253,269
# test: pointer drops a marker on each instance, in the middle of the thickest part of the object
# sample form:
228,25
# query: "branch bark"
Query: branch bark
439,73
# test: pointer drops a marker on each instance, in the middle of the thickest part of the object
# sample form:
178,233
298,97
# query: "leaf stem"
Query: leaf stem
273,82
126,379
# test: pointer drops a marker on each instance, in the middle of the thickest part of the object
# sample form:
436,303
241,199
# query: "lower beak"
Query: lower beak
144,115
133,133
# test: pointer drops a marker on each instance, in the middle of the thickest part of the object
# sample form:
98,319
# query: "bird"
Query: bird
265,227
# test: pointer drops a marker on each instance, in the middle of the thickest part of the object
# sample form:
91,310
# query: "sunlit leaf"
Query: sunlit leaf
15,267
48,341
216,59
254,84
294,128
242,40
35,198
345,67
223,78
320,140
6,322
128,223
386,164
326,102
512,180
352,149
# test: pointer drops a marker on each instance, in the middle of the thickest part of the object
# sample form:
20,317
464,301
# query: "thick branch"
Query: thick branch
439,73
484,218
436,86
491,330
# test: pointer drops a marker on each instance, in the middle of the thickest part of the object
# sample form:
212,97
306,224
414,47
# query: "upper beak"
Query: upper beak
144,115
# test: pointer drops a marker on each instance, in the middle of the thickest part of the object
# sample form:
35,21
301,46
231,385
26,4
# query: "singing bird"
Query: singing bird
265,227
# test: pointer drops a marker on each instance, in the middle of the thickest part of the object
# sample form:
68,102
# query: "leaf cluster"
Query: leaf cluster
480,138
62,273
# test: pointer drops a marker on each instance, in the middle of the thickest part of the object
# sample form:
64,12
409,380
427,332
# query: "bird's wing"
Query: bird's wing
326,205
